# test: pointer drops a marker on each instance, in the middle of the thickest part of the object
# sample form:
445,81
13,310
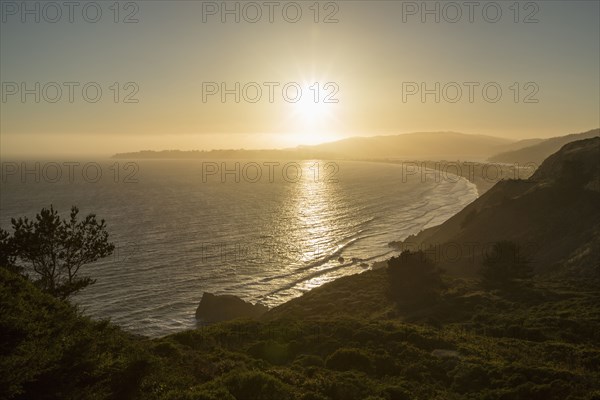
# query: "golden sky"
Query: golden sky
159,64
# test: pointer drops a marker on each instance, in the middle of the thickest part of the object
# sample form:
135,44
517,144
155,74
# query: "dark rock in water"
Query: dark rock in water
213,308
341,260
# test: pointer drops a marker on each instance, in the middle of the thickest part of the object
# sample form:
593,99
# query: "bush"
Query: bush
347,359
167,350
257,386
312,396
271,351
49,351
309,360
414,278
469,377
347,386
396,393
504,264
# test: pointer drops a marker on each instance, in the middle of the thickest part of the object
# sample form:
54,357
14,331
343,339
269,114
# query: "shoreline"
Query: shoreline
478,173
481,186
484,175
175,324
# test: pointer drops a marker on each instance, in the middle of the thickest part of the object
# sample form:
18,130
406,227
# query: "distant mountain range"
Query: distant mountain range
419,145
409,146
239,154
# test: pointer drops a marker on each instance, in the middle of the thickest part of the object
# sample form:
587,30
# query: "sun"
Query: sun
312,117
311,108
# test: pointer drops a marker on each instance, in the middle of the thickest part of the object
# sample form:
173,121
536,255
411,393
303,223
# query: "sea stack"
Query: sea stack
213,308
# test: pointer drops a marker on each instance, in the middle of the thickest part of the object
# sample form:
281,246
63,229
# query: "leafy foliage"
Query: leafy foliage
8,258
347,359
49,351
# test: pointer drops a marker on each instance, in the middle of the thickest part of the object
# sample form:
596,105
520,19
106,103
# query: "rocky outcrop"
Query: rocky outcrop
213,308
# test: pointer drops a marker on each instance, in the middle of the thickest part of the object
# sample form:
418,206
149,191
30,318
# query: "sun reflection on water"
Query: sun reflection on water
314,202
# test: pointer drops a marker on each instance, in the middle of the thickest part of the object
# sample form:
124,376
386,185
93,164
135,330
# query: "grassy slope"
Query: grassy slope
539,342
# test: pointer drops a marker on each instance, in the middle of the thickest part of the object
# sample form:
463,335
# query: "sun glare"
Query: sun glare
310,108
312,116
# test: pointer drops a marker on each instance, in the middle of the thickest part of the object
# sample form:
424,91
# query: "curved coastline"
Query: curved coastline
169,284
374,261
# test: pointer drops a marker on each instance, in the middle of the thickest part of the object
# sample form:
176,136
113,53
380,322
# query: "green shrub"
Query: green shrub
309,360
347,386
312,396
49,351
385,365
256,385
347,359
468,377
396,393
271,351
506,263
414,278
166,349
199,394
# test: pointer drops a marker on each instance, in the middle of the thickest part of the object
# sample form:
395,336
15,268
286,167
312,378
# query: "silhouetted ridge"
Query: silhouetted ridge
576,165
536,151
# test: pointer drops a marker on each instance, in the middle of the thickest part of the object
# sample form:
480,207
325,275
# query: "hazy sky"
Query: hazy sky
374,61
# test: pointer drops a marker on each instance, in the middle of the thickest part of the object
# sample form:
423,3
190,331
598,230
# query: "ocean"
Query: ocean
264,231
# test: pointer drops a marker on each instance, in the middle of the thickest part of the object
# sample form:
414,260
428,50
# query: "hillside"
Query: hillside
466,345
528,151
519,144
554,215
48,350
